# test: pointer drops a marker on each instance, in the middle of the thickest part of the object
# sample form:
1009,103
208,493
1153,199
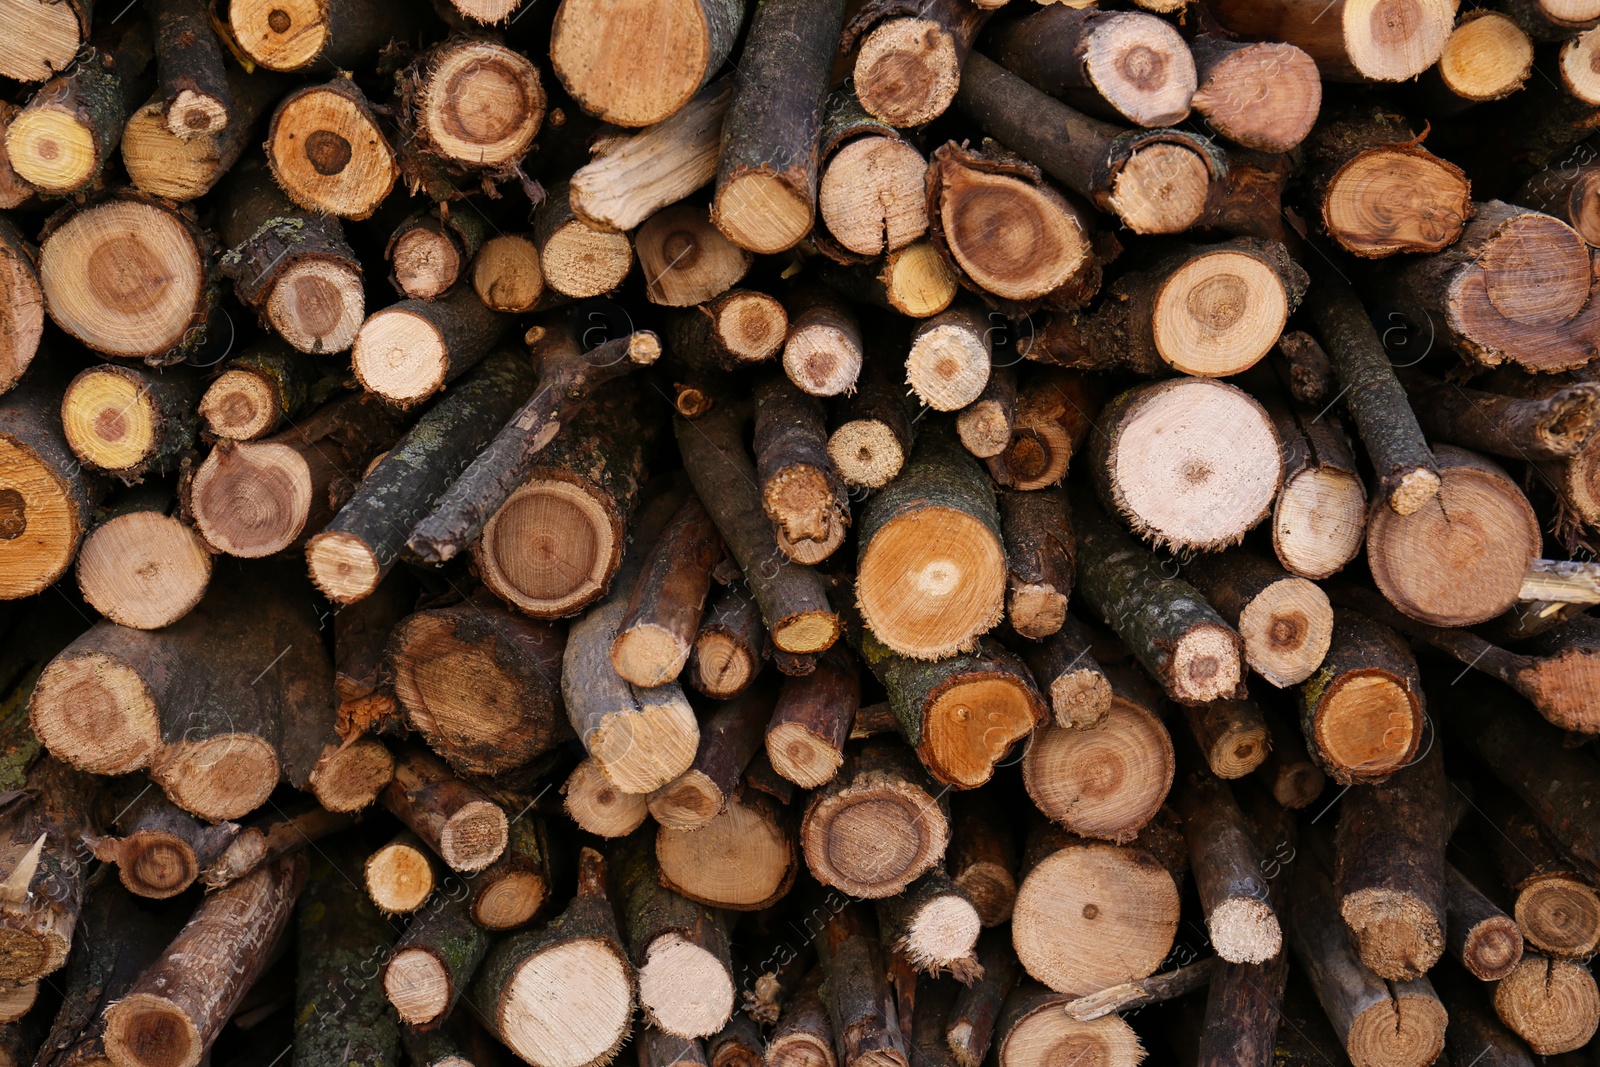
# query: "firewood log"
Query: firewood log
22,320
870,190
328,152
730,646
141,565
1321,512
867,1031
472,107
577,257
1551,1004
657,634
730,736
428,253
1286,621
1347,41
400,876
1478,935
1556,908
1259,95
427,971
336,1017
455,819
160,849
1033,1028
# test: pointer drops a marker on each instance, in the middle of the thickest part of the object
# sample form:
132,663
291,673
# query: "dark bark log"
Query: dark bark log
811,721
801,492
934,927
1040,560
1228,871
1355,54
1034,1029
270,837
160,848
189,63
730,737
908,57
1555,906
866,1028
1478,935
324,34
657,633
429,252
256,391
1321,513
407,352
1070,676
129,423
1550,427
985,425
803,1036
1342,729
1263,96
340,1015
740,328
427,971
164,164
1285,621
1056,410
730,646
1290,775
457,820
970,1025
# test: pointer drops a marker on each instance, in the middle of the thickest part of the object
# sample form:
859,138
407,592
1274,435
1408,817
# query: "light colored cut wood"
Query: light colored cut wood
1489,57
600,808
506,273
871,195
481,104
1106,782
1218,314
329,155
145,569
685,259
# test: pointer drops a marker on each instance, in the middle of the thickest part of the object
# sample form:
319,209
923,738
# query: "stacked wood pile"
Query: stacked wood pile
799,533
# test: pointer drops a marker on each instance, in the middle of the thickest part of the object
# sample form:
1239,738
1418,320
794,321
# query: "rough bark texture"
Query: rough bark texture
339,932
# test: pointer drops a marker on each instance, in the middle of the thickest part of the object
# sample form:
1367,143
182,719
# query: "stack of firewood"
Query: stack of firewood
799,533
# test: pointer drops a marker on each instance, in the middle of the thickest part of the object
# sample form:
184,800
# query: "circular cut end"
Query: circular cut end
801,756
1489,57
1105,782
1319,521
223,777
1560,915
240,405
948,365
482,104
251,499
550,1020
866,453
871,195
1081,698
1093,915
1238,747
810,631
418,986
631,65
144,1030
1265,96
163,165
687,802
971,725
474,836
27,954
721,665
919,282
317,306
1207,665
1459,559
1551,1004
944,931
109,418
21,314
685,990
551,549
53,35
52,148
1142,67
1570,12
1393,40
740,860
96,713
350,777
600,808
1580,67
156,865
510,901
907,71
1162,188
124,277
1533,270
1583,205
1287,629
16,1001
761,213
280,34
426,262
1407,1031
642,751
143,569
874,841
1367,725
1046,1037
1016,240
194,114
343,565
39,521
685,260
399,355
506,273
328,155
1493,948
752,326
1218,314
1244,931
649,654
581,262
399,878
1194,464
1396,199
930,581
823,359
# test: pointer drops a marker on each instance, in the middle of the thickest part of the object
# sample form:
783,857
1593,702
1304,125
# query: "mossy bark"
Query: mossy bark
341,1016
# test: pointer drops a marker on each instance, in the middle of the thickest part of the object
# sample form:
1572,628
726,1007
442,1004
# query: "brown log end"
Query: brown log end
1106,782
144,1030
1551,1004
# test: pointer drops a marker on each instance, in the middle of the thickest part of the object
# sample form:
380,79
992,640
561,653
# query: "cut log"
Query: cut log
1172,631
822,352
270,837
730,646
328,151
1056,410
873,434
336,1017
600,808
982,858
1477,502
189,61
1091,914
986,424
400,876
305,33
916,281
1057,267
805,736
1551,1004
656,167
948,365
737,329
566,376
738,1044
742,860
47,39
1310,373
578,259
1408,477
22,320
455,819
908,57
1571,194
562,995
1290,775
1259,95
767,170
46,497
1129,64
1487,57
427,971
1320,516
934,927
164,317
878,826
800,490
1231,735
62,139
141,566
256,392
1033,1031
1478,935
971,1021
1555,906
659,1049
1191,464
164,164
173,1014
1155,181
866,1027
686,260
1353,41
556,544
512,889
1286,622
803,1036
479,685
428,253
794,603
1362,711
506,274
870,193
161,849
657,633
473,105
129,423
1553,426
679,948
1109,781
1381,1024
730,737
407,352
1476,295
1073,680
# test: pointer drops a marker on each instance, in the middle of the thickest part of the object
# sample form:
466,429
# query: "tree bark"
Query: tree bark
806,735
189,63
730,646
657,633
738,329
801,491
1550,427
1478,935
1069,675
454,818
1056,410
982,857
340,1013
1555,906
1321,512
269,838
866,1028
427,971
1286,621
1289,774
803,1036
730,737
161,849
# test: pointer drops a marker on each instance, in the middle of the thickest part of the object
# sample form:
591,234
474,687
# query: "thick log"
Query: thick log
1286,621
877,826
1569,192
173,1014
811,721
1172,631
801,492
1487,57
427,971
328,151
803,1036
870,193
578,259
455,819
141,565
163,164
1362,711
687,261
1555,906
1033,1030
407,352
767,170
562,995
320,34
47,40
743,860
1551,1004
1351,41
47,495
472,107
730,646
128,423
730,736
908,57
160,849
339,934
1478,935
1259,95
598,807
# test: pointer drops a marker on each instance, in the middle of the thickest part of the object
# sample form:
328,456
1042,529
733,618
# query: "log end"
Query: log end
874,841
510,901
808,631
684,989
600,808
318,305
417,984
552,548
1492,948
1162,188
1206,665
251,498
1245,931
1107,782
1367,726
506,274
640,751
1553,1005
1219,314
551,1020
867,453
687,802
343,566
225,776
763,211
53,148
942,936
474,836
1397,936
743,860
196,114
1395,40
96,713
349,777
1080,699
801,756
992,889
1407,1029
144,569
281,35
1559,915
930,581
155,865
400,355
1287,629
907,71
969,726
649,654
144,1030
399,877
